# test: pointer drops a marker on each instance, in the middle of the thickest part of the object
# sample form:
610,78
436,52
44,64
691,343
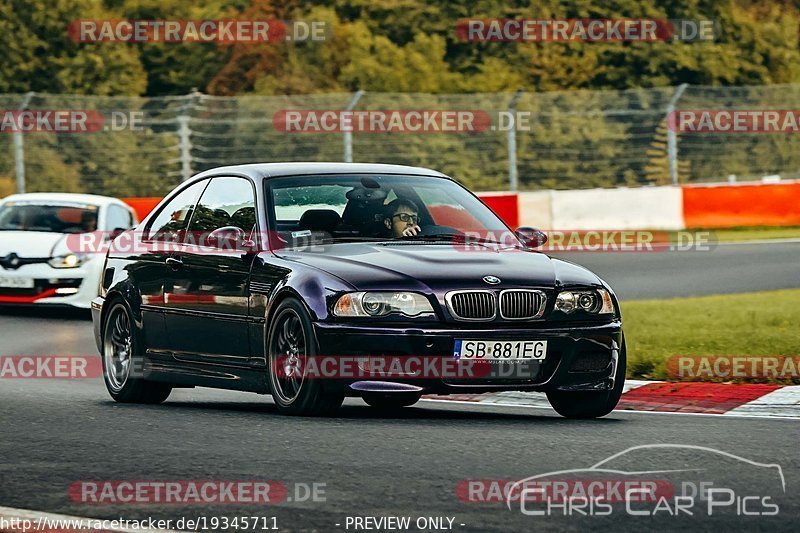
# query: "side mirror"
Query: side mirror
229,238
116,232
531,237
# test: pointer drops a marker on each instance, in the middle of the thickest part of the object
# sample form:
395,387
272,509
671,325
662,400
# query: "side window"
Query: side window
118,217
173,217
226,203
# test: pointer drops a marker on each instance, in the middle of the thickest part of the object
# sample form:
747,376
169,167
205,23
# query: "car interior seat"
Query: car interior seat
244,218
364,212
320,220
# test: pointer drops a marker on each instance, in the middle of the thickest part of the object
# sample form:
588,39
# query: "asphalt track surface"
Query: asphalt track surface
725,269
57,432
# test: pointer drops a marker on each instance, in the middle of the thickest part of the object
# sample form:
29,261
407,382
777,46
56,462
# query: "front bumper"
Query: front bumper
74,287
581,357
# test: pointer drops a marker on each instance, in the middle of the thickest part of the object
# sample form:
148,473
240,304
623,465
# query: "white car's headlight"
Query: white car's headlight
376,304
595,301
68,260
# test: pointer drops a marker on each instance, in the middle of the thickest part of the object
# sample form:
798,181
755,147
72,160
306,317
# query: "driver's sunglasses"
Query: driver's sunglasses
405,217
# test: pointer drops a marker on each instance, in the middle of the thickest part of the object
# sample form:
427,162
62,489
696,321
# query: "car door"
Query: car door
154,246
206,294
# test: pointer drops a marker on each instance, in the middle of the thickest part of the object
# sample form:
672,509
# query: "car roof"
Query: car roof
55,197
271,170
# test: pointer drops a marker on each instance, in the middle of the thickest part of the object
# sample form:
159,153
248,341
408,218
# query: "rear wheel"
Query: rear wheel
590,404
290,342
122,361
391,401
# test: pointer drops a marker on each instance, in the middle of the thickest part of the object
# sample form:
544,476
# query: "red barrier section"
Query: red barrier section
447,215
504,205
725,206
142,206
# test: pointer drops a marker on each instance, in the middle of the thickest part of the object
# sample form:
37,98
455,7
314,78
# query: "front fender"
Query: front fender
274,279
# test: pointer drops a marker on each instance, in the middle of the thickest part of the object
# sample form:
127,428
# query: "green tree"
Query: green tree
38,54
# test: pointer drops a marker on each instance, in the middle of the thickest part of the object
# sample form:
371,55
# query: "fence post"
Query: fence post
512,141
19,148
185,134
672,135
348,135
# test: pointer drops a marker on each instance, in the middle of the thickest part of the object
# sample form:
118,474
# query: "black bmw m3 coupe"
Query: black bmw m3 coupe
317,281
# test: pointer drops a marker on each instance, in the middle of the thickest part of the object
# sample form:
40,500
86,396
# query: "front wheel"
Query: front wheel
590,404
290,342
122,361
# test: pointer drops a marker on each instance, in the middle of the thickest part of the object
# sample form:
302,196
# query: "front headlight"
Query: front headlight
68,260
377,304
594,301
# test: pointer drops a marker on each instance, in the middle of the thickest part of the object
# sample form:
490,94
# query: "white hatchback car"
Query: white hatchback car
38,266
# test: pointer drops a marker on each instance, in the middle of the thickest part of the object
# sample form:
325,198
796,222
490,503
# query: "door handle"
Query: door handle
174,263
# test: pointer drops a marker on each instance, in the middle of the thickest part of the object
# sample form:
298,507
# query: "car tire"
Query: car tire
121,355
590,404
289,341
391,401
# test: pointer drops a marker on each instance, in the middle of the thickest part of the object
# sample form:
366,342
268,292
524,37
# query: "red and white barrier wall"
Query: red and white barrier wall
719,206
667,208
623,208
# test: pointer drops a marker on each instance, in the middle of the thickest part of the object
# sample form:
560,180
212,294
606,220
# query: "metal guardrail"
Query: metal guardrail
561,140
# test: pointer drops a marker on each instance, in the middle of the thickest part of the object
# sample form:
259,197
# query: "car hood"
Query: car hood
29,243
369,266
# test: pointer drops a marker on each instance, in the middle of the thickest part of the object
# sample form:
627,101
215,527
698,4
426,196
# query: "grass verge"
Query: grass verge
753,233
751,324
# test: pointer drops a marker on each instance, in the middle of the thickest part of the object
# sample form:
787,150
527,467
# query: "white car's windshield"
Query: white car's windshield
33,216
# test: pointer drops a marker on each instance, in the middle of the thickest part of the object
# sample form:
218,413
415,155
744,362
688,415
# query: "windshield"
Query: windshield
347,208
29,216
